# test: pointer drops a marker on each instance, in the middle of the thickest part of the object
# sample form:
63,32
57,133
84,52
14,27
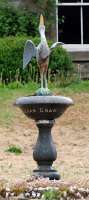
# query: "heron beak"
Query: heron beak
41,20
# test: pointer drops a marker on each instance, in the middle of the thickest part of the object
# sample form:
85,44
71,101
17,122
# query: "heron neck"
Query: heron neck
43,38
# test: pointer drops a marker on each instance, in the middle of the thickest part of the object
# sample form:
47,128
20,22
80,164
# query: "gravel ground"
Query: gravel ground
70,135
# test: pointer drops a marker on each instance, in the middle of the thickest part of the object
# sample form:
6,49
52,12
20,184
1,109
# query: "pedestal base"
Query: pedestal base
51,174
45,152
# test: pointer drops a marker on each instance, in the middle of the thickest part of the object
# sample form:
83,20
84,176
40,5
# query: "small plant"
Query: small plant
14,149
53,194
50,195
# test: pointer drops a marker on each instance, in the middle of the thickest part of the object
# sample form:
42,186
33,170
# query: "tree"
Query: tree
48,9
23,21
16,21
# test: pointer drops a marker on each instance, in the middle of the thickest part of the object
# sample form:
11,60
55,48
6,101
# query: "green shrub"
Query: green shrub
11,55
11,58
61,67
60,60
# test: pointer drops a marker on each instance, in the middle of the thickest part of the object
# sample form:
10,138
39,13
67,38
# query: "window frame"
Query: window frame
81,4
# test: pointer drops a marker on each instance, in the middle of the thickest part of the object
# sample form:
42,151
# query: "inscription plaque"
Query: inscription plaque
40,110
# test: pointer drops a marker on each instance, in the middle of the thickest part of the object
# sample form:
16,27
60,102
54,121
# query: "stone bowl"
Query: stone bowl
43,107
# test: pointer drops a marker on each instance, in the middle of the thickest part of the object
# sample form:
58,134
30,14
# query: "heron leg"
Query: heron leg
42,80
45,79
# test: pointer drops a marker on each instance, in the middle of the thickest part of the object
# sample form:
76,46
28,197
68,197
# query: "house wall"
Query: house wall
80,56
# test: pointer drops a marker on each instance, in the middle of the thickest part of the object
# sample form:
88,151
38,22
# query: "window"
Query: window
69,31
86,24
73,21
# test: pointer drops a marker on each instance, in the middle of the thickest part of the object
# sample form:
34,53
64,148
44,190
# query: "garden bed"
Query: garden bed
43,188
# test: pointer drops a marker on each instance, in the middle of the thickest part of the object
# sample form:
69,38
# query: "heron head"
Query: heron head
41,25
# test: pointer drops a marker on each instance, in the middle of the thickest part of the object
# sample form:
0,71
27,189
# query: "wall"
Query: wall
80,56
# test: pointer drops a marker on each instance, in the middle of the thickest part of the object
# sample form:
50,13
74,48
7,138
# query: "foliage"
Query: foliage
11,55
15,21
14,149
54,195
49,195
61,66
60,60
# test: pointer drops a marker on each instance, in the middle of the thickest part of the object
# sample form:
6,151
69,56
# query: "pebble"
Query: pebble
35,189
7,189
12,194
7,195
21,196
38,195
78,195
41,189
65,194
68,198
33,194
27,194
61,198
71,189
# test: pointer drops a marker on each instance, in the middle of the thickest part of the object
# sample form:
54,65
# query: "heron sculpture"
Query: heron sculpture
42,53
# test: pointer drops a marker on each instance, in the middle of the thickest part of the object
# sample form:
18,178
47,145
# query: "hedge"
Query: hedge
11,54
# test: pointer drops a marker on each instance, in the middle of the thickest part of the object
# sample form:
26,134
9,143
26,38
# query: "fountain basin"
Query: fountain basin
43,107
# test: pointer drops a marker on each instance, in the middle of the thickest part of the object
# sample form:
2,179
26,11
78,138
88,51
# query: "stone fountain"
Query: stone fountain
43,107
44,110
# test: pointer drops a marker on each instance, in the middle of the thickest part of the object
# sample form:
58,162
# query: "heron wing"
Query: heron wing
56,44
29,52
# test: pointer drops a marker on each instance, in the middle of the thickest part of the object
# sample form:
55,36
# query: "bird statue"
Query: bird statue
42,53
